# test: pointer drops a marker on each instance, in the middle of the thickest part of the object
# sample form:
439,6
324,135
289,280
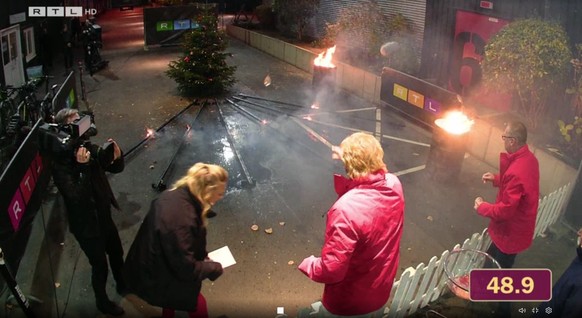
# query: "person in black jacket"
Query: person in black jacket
167,261
566,299
81,180
68,44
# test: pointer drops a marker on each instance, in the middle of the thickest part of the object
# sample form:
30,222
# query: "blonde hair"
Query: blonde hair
202,179
362,155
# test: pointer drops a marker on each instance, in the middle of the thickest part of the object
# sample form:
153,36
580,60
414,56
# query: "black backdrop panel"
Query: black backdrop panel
125,3
165,25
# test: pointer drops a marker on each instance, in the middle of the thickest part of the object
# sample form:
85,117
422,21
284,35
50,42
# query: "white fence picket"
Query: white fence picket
422,288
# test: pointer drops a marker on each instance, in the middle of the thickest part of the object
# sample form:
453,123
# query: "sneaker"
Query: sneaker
110,308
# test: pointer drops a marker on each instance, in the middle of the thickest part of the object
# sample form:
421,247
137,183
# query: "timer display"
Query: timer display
510,285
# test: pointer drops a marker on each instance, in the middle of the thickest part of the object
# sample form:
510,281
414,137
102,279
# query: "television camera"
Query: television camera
92,45
61,141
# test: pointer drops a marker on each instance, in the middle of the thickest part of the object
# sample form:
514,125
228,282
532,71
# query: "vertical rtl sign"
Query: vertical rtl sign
24,191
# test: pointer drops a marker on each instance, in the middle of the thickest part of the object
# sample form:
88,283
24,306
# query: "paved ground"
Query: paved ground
291,171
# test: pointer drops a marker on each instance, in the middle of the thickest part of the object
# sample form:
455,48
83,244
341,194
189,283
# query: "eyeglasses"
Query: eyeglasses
507,137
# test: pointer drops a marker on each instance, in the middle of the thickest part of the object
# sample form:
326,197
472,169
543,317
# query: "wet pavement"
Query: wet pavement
284,182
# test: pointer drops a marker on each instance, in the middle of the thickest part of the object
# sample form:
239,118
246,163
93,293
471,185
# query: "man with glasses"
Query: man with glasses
512,217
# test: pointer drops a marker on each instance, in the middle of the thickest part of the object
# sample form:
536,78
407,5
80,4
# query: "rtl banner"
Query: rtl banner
164,26
23,183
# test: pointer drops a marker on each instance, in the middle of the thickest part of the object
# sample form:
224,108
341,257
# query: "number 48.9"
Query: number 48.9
507,287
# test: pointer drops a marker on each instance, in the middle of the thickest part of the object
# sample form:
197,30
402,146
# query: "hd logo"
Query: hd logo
36,12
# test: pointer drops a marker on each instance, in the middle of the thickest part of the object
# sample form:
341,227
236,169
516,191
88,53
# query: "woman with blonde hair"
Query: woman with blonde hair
360,254
167,261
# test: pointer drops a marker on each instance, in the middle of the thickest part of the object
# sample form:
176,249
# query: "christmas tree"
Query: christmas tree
202,70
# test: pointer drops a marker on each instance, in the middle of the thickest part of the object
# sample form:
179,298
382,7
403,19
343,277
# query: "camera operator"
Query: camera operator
81,180
92,44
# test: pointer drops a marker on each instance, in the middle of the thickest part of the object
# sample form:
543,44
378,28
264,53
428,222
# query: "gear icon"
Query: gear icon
548,310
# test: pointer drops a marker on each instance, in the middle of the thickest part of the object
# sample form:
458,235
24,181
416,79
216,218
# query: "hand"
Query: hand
488,177
116,149
83,155
478,202
336,153
216,272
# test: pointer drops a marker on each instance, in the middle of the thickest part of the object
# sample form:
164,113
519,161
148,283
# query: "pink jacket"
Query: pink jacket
513,215
360,255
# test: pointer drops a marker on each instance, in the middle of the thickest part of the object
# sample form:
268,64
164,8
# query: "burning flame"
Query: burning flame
267,80
325,61
264,121
150,133
315,106
307,117
455,122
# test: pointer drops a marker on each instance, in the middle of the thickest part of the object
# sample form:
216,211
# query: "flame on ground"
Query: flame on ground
150,133
307,117
455,122
315,106
325,60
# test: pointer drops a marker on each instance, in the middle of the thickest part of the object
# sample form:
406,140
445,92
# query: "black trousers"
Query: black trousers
97,250
506,261
68,56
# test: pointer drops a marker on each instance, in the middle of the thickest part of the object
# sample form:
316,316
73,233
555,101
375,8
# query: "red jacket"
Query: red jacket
360,255
513,215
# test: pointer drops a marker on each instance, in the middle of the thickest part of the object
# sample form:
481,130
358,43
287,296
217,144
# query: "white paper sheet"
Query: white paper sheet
222,256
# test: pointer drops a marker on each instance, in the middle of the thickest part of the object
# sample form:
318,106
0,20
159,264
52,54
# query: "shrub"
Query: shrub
359,40
265,15
528,59
294,15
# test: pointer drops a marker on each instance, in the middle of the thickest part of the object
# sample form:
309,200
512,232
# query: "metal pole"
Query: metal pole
261,106
161,185
235,105
83,89
313,133
250,181
13,285
272,100
158,129
286,137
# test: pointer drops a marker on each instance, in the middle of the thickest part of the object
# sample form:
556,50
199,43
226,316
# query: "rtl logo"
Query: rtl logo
35,12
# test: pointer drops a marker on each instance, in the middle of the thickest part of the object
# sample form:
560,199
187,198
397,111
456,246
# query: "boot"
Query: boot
121,288
108,307
105,305
120,285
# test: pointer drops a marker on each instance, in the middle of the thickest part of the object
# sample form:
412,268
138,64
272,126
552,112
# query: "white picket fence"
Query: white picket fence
421,285
550,208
